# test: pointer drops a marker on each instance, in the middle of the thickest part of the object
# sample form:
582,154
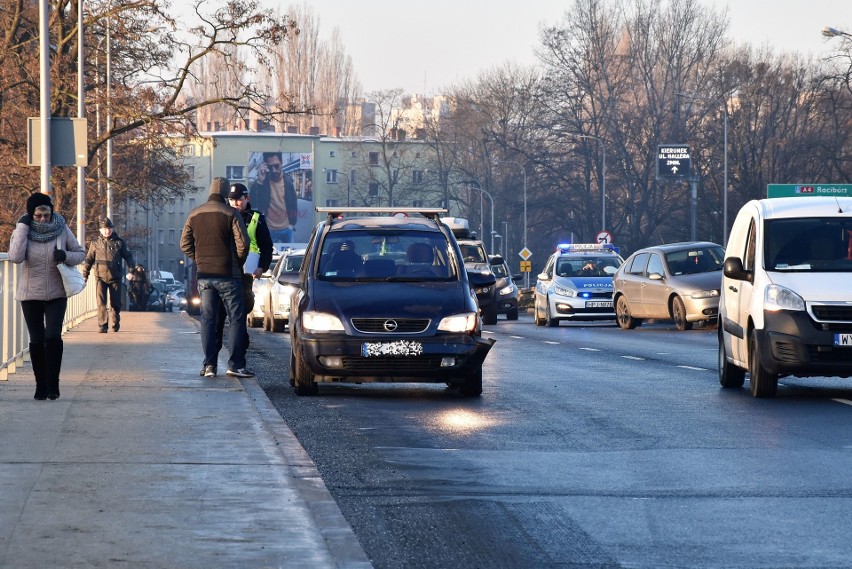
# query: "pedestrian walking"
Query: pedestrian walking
41,239
139,289
215,238
259,259
106,254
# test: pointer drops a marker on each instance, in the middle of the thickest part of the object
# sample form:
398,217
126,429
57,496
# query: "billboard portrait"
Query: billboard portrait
281,188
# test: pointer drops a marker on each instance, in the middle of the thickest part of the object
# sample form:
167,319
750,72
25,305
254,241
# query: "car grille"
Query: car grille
600,295
832,312
391,365
380,325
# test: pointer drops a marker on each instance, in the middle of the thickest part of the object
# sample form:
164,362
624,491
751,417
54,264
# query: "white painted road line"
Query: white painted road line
549,342
844,401
633,358
517,337
694,368
590,349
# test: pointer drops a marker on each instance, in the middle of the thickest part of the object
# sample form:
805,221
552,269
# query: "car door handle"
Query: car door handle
732,288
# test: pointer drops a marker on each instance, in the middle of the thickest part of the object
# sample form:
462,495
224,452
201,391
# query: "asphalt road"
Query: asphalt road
590,447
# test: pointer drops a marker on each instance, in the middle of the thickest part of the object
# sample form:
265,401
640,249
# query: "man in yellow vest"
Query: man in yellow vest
260,253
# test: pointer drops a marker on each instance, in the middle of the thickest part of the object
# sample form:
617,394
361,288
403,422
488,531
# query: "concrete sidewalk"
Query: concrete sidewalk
142,463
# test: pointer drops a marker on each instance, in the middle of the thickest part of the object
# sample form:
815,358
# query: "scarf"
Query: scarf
44,232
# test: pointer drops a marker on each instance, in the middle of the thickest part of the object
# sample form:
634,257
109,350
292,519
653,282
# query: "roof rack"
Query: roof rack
433,213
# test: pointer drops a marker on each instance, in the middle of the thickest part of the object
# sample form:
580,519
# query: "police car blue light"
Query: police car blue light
576,284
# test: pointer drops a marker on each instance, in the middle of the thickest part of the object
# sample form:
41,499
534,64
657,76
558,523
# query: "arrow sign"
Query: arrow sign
673,161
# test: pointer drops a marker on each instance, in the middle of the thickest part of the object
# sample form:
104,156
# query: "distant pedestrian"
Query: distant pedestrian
40,241
215,238
105,255
260,254
139,289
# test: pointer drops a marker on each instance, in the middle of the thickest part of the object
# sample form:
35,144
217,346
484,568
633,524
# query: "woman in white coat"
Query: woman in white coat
40,240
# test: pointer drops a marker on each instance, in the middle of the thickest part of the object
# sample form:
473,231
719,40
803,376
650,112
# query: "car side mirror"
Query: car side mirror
733,269
655,276
543,277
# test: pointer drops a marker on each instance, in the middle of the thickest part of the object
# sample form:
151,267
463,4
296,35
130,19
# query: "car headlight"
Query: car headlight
779,298
321,322
196,301
507,290
562,291
458,323
705,293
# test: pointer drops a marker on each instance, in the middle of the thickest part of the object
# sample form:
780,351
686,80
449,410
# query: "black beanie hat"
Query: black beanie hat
36,200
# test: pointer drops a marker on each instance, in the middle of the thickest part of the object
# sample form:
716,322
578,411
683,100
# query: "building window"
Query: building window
330,203
417,177
374,158
181,209
354,154
170,207
161,236
234,172
418,203
171,236
331,154
331,176
191,204
190,171
374,189
353,178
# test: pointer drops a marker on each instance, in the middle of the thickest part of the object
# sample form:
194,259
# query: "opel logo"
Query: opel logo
391,325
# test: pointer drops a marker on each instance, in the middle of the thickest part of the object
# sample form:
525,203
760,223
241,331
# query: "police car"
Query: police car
576,284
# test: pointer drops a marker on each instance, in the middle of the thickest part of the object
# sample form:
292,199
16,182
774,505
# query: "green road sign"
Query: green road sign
805,190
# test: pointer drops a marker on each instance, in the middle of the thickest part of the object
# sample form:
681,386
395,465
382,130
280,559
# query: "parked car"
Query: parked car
260,288
282,284
576,284
176,300
157,301
385,299
678,281
507,291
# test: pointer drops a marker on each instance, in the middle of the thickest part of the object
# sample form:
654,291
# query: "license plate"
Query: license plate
599,304
400,348
843,340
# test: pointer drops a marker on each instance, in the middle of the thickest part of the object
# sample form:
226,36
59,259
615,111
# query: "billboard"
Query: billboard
281,188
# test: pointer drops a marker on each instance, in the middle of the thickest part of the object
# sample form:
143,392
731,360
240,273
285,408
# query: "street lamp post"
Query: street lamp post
524,172
830,32
600,141
481,216
725,159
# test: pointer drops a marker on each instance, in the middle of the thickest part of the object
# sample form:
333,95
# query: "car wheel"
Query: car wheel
679,315
622,315
472,387
489,315
763,384
729,374
278,324
305,384
254,322
512,314
539,321
549,321
292,369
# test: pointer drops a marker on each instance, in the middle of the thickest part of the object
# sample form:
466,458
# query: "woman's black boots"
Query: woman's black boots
53,363
39,364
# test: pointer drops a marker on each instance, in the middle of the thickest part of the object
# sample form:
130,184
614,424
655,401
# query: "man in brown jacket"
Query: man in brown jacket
215,238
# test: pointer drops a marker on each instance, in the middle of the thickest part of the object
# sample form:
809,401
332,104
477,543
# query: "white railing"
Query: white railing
15,342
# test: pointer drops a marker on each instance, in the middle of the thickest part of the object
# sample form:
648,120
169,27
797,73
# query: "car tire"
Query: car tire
267,324
472,387
512,314
730,376
538,321
622,315
305,384
292,369
278,324
489,315
679,315
549,321
254,322
763,384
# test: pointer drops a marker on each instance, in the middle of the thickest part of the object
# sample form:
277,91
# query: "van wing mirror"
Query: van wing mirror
733,269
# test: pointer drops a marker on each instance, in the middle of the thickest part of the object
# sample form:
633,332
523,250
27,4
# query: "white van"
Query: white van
786,301
163,276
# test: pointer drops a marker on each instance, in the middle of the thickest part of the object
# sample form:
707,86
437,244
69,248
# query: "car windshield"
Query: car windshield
695,260
472,253
809,245
587,266
385,255
500,271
